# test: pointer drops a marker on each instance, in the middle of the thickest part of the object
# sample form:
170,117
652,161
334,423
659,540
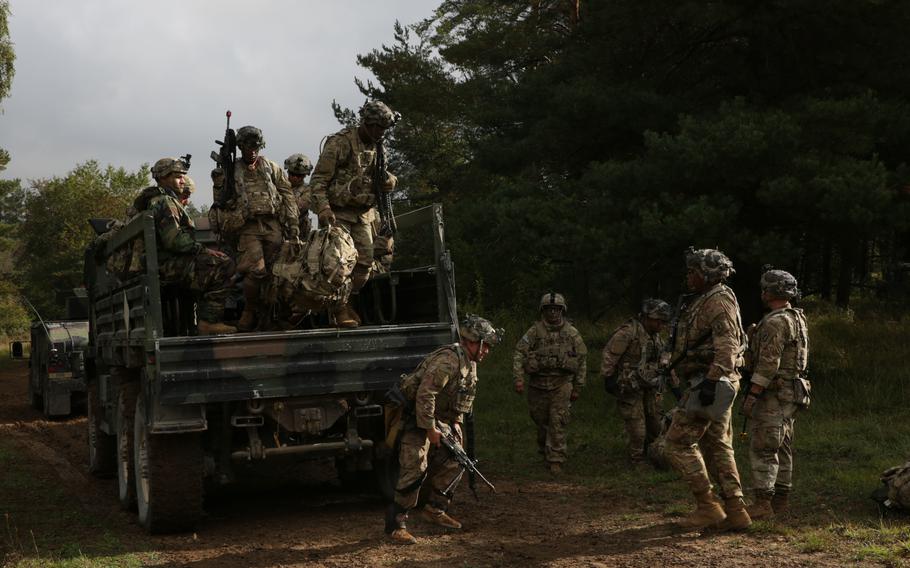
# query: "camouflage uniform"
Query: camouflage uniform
696,445
895,494
633,353
442,387
264,197
554,359
448,383
300,165
777,358
342,183
184,261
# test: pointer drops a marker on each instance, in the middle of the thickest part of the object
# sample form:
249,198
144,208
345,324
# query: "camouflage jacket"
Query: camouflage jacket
631,351
448,384
342,178
302,194
176,231
264,190
780,346
551,356
715,314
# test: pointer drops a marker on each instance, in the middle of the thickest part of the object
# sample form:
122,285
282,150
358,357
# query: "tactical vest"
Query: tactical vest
553,352
699,357
256,189
635,366
352,185
794,358
458,394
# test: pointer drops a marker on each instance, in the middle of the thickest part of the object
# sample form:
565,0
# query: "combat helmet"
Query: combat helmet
553,299
298,164
656,308
779,283
713,264
476,328
166,166
250,137
378,113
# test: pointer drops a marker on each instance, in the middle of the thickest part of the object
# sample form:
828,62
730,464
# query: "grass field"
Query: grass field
856,427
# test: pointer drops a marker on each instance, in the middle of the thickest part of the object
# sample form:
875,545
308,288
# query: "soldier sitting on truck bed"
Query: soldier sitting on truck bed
181,259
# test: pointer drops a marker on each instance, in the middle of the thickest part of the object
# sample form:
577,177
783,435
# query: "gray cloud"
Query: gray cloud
126,82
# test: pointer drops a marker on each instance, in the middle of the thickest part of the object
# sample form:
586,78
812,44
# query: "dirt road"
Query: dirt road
528,524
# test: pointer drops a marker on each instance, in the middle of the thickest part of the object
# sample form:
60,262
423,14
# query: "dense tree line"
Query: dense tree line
585,145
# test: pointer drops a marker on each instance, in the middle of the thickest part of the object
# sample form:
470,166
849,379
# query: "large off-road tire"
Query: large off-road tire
102,447
169,477
123,419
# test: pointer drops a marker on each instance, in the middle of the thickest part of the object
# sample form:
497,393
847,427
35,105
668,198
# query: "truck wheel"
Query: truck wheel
169,477
123,417
102,448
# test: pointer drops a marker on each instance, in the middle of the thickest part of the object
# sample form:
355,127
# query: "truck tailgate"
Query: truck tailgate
243,366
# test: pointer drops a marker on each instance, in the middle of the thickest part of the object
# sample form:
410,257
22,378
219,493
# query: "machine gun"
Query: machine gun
225,158
387,225
467,464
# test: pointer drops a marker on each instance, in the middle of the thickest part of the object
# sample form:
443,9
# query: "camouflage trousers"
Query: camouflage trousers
257,244
207,274
696,446
421,463
362,235
550,411
771,440
640,411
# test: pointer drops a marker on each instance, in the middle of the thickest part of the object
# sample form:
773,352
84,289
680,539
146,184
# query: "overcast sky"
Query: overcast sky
127,82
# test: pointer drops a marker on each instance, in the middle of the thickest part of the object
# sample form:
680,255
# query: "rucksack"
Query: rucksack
316,273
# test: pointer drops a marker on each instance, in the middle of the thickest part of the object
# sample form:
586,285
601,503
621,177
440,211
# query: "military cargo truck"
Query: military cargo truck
171,413
56,377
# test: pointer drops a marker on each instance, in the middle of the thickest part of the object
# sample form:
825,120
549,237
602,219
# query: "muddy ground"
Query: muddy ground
534,523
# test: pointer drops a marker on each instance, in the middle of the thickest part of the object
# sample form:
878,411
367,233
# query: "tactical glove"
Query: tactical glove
326,217
706,390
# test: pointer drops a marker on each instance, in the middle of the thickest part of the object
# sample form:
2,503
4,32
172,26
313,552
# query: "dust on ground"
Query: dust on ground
533,523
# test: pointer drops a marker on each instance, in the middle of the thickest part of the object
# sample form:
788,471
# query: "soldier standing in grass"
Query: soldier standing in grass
551,360
181,259
777,358
630,361
442,388
711,336
342,189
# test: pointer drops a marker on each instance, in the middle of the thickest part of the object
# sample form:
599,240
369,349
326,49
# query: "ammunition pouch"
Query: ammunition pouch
723,400
532,366
802,391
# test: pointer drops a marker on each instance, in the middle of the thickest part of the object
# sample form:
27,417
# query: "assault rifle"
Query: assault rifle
663,373
225,157
467,464
387,225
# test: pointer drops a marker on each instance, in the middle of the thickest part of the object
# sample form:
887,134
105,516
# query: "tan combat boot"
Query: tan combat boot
780,503
438,517
209,328
761,508
708,512
402,536
247,320
737,517
345,316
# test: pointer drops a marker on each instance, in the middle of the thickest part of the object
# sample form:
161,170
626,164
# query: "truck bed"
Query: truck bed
244,366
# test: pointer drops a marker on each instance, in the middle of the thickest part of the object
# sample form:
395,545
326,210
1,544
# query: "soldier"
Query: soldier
189,188
630,358
777,358
270,211
299,167
181,259
342,189
553,358
709,331
443,388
